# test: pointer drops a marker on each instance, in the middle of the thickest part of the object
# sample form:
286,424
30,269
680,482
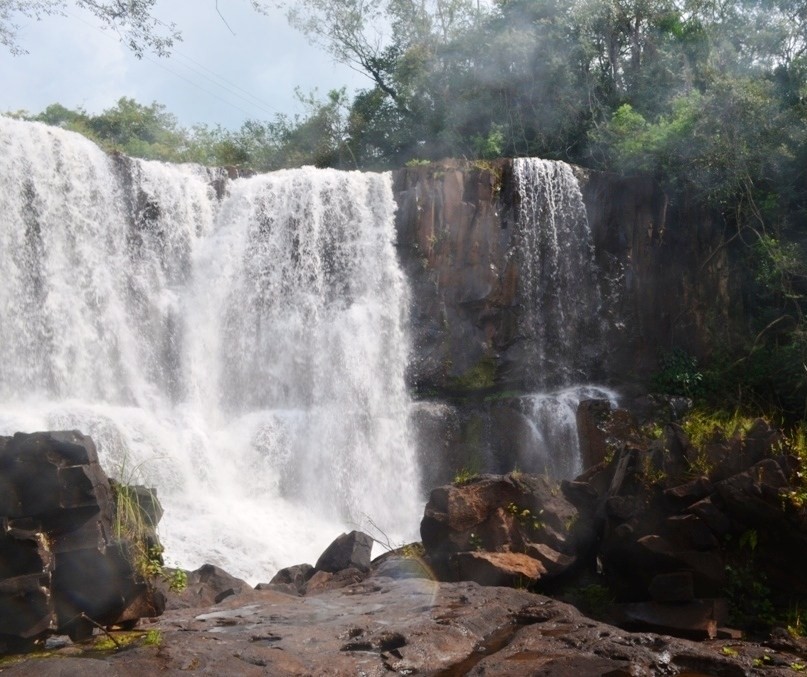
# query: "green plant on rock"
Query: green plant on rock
652,430
763,661
134,525
703,426
413,551
749,596
177,580
153,638
464,476
526,518
475,541
795,498
749,539
796,622
699,464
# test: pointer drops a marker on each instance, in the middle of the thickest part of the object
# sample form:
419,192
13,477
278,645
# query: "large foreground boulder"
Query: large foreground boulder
510,529
62,568
351,550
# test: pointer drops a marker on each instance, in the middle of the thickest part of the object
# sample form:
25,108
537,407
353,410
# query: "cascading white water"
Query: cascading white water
245,354
561,304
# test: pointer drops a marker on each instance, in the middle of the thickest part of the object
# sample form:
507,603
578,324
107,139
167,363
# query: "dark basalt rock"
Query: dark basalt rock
662,539
206,585
351,550
291,579
61,568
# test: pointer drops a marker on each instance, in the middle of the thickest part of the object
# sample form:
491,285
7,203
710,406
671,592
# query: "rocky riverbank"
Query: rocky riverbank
408,626
666,532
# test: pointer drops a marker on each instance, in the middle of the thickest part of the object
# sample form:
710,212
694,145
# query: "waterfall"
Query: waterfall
561,318
238,344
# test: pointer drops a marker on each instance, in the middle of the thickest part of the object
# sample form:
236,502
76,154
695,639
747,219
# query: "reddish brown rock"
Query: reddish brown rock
416,626
499,568
503,514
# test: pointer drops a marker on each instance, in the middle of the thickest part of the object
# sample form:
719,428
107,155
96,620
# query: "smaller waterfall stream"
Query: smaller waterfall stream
561,316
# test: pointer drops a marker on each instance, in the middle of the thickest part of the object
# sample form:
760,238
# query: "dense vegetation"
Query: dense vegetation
707,96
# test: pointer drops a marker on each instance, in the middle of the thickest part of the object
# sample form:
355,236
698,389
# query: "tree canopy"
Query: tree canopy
132,20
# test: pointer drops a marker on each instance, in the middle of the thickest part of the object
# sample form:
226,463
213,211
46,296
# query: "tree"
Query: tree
132,20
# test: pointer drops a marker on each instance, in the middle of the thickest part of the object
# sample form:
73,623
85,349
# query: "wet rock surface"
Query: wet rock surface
415,626
64,566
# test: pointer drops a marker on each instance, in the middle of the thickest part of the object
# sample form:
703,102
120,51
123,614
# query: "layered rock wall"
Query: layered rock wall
667,276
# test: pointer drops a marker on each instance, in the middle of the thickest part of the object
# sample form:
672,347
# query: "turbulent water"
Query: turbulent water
561,306
238,344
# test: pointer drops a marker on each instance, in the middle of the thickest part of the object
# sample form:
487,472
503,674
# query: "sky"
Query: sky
221,73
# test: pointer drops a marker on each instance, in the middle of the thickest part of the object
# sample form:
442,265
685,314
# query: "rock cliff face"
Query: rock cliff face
666,274
665,277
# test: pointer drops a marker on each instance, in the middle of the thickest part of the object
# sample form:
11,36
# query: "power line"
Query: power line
229,86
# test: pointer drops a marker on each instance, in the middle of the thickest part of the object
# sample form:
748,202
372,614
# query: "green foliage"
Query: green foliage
132,21
491,145
763,661
796,622
413,551
749,539
465,476
678,374
796,498
703,426
479,377
526,518
134,526
177,579
749,597
594,600
153,638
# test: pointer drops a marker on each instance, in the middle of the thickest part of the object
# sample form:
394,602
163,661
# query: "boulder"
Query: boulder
698,619
291,579
690,492
61,567
323,581
512,569
516,528
674,587
351,550
206,585
498,512
591,417
555,563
